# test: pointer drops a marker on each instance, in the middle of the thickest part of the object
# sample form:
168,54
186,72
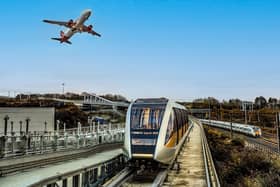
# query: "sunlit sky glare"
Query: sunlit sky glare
181,49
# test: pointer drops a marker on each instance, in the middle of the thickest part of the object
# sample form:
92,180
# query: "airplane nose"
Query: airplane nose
88,12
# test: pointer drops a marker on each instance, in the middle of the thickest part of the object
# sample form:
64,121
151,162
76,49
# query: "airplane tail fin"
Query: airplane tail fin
61,41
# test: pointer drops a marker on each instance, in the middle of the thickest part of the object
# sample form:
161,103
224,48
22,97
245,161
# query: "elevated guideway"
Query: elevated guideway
193,166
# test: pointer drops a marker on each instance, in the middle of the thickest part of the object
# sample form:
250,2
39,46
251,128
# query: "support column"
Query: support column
46,129
27,125
20,127
2,146
6,119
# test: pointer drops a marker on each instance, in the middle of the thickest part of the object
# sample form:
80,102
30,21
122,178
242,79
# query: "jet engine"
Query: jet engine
89,28
70,23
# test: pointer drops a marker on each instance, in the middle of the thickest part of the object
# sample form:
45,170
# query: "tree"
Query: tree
260,102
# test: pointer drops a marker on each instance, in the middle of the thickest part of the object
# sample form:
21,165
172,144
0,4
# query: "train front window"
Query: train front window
146,117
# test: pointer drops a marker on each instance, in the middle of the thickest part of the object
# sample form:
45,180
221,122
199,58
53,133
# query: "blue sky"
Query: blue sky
173,48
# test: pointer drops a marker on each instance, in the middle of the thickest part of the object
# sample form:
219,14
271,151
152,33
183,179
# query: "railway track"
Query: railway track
23,166
134,178
261,143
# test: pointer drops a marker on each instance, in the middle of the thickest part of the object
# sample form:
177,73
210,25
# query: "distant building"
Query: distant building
38,117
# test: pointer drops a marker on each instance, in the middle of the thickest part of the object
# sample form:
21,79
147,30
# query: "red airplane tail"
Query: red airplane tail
63,38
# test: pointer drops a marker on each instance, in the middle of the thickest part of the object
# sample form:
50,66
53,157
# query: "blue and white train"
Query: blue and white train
237,127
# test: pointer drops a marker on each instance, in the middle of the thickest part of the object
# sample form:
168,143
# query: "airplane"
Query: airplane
74,27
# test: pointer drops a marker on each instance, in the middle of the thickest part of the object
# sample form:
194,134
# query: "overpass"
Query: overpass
91,100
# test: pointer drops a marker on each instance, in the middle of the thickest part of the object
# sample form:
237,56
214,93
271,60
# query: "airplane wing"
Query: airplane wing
95,33
88,29
61,23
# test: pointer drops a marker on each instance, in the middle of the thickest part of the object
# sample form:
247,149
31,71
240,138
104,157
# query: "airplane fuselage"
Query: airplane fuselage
78,24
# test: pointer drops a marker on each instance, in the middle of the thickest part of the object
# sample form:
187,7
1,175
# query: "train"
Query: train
250,130
155,130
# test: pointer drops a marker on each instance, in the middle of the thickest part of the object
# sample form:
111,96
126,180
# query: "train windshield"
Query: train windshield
256,128
147,117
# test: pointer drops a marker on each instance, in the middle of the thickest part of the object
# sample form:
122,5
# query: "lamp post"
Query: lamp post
63,84
278,129
231,133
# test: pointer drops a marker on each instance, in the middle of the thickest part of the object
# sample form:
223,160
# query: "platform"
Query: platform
27,178
191,160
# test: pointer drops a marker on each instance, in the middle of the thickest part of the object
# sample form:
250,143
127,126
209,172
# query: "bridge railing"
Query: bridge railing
210,169
18,144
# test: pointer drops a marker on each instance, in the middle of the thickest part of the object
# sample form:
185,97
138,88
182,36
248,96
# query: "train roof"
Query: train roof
151,101
157,101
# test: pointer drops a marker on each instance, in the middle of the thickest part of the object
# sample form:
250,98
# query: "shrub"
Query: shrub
238,142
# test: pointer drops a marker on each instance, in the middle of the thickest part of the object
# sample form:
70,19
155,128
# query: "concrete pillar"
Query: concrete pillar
2,146
65,140
23,144
13,138
6,119
12,127
79,128
77,141
57,125
20,127
55,142
46,128
41,144
64,128
27,120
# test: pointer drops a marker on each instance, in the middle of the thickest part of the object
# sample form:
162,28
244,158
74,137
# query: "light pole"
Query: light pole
63,84
231,133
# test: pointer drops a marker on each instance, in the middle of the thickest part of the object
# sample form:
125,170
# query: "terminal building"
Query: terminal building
39,119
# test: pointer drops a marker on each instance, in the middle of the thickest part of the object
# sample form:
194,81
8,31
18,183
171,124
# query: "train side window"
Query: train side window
170,128
175,119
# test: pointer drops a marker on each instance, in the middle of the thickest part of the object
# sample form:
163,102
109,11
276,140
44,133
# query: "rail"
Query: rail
257,146
211,174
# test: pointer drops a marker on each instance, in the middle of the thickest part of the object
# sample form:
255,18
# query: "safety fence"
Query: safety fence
18,144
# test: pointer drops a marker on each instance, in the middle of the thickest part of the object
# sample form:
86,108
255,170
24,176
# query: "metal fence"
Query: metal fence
21,143
262,148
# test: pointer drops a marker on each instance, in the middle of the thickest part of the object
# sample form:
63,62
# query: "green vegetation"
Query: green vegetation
238,165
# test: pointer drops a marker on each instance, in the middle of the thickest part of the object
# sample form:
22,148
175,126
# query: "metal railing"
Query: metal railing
18,144
211,174
262,148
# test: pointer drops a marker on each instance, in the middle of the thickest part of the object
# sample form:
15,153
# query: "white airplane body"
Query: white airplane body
73,27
